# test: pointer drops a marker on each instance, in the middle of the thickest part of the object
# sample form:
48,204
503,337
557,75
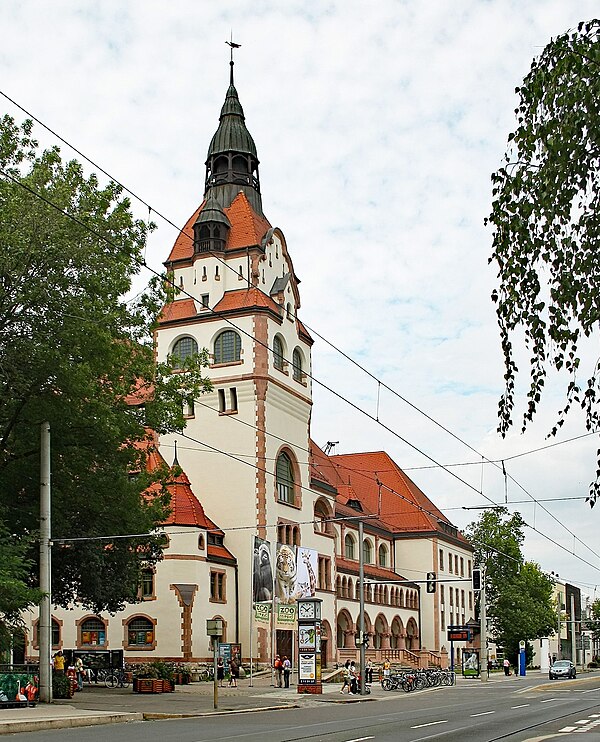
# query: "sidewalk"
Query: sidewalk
100,705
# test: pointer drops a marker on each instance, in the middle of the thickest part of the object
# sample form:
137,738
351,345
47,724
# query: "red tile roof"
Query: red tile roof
186,509
399,504
176,310
247,229
246,299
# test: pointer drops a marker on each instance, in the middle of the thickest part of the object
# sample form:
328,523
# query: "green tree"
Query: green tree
518,593
595,622
546,227
15,594
75,353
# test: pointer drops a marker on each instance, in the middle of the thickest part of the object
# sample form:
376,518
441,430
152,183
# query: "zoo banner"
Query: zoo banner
296,573
262,572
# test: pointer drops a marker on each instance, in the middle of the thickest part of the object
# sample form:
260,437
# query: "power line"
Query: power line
143,263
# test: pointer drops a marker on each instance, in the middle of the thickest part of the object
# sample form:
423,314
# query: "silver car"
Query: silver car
562,669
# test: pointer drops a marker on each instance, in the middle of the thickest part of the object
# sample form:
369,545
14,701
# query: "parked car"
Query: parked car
562,669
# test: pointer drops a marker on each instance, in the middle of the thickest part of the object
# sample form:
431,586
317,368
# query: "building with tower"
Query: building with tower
249,461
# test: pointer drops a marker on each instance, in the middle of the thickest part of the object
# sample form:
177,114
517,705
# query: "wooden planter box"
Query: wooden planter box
168,686
144,685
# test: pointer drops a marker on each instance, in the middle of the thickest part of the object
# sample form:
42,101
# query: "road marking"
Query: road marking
595,716
430,724
568,729
548,700
522,706
583,721
359,739
483,713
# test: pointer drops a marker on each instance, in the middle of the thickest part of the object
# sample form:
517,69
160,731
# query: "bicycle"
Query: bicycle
208,673
116,679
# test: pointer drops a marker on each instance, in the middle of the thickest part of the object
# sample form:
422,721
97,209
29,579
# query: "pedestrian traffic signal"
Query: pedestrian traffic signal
431,583
476,579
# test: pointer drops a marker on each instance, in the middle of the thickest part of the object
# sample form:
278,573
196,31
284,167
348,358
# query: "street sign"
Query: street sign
459,634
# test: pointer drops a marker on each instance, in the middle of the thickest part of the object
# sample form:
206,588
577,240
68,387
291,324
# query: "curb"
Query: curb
224,712
65,722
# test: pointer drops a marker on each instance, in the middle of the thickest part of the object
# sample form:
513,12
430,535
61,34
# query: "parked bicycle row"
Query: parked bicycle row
417,679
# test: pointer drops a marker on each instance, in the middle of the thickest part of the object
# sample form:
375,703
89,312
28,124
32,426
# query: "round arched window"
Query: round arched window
278,353
297,365
349,546
383,555
284,476
140,631
228,347
184,348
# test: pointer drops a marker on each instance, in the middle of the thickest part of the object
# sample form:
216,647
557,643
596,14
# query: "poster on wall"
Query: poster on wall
306,572
307,669
285,574
262,572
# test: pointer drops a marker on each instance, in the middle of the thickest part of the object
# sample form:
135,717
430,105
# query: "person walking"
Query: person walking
287,669
506,665
234,672
278,665
346,676
369,672
353,679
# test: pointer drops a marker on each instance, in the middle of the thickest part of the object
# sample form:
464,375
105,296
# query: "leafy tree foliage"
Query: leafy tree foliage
546,227
518,593
595,622
74,353
15,594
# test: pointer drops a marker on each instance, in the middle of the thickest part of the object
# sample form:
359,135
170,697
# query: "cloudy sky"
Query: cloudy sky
377,126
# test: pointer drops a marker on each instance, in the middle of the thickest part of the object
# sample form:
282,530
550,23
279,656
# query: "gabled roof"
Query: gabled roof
247,229
399,504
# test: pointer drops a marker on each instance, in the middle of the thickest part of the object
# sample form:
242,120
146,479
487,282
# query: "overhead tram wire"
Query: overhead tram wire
324,339
143,263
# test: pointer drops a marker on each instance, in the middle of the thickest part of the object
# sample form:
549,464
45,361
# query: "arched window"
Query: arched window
140,632
383,555
184,348
228,347
278,353
367,551
297,365
349,546
284,475
92,632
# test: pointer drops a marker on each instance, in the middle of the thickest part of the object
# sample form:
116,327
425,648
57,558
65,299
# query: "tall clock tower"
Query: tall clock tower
246,443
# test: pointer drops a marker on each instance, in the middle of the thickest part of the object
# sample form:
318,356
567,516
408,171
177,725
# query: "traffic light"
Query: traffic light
476,579
431,583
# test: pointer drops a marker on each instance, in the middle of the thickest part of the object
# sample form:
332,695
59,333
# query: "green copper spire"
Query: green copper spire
232,161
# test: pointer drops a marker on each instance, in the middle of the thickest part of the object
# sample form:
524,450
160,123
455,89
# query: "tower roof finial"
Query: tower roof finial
232,45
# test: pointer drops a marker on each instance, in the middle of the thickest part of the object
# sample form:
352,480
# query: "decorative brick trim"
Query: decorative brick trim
260,368
185,597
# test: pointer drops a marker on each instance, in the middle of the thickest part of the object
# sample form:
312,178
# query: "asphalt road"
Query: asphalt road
512,711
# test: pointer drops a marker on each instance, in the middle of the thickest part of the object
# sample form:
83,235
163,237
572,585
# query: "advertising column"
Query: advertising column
309,646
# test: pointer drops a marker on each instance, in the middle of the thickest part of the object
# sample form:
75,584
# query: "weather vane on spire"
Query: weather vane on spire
232,44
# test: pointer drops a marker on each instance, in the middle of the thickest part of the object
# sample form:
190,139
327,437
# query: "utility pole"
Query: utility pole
361,609
573,624
483,653
44,625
